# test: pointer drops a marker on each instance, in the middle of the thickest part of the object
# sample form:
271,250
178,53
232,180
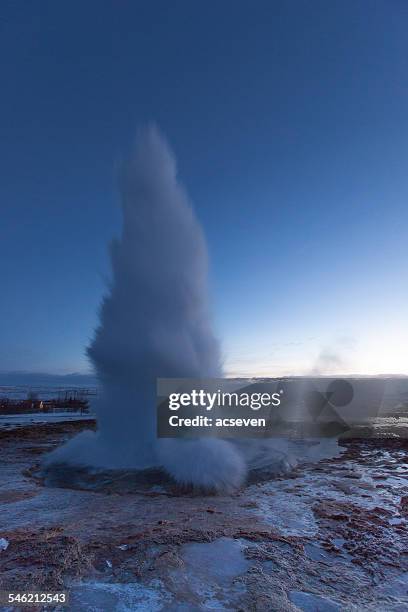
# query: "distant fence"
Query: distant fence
26,400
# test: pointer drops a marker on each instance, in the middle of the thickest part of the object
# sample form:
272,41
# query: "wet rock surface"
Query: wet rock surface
328,536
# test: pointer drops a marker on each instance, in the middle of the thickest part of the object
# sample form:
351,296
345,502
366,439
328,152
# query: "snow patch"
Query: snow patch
102,596
4,544
313,603
286,512
210,572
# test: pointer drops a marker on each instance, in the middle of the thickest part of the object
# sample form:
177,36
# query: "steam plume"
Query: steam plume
154,323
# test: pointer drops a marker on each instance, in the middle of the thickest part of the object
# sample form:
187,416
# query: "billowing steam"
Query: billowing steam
154,322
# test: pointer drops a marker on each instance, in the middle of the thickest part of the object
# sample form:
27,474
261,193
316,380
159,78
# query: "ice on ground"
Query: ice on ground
397,589
8,421
219,561
101,596
313,603
4,544
206,581
210,571
286,512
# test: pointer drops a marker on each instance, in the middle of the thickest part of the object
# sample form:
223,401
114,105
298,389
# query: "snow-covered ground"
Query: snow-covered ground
14,420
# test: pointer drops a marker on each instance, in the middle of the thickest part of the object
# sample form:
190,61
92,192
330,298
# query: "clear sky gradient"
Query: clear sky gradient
289,121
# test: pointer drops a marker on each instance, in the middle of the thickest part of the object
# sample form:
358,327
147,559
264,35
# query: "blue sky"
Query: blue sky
289,122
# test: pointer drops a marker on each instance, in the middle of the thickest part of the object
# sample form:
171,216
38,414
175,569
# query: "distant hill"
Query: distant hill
40,379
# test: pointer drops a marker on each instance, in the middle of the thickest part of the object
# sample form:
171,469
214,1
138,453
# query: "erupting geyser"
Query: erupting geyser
154,322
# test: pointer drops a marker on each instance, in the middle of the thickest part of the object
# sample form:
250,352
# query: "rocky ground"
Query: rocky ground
330,536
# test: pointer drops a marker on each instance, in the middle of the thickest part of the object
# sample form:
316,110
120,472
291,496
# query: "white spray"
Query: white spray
154,323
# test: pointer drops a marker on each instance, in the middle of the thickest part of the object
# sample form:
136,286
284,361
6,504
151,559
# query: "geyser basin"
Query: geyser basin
122,482
152,481
266,460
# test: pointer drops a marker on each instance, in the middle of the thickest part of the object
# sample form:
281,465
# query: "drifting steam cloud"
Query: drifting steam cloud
154,322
